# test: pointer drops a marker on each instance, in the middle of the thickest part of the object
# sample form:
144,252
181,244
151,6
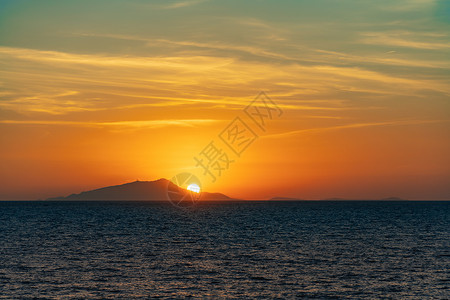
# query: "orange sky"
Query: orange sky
102,93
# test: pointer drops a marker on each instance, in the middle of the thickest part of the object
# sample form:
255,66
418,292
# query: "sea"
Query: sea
225,250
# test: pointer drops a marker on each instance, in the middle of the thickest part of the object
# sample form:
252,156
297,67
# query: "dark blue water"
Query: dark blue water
324,250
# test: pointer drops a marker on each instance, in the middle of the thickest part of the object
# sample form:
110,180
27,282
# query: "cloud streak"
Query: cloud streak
182,4
389,39
195,62
122,124
353,125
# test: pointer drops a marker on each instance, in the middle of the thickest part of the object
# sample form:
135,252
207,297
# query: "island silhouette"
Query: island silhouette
137,191
157,190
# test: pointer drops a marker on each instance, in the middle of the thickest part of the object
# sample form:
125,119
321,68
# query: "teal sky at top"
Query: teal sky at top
323,24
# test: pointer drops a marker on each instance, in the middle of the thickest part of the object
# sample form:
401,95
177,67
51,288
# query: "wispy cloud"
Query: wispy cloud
223,46
397,40
119,61
385,59
216,45
123,124
354,125
181,4
51,103
408,5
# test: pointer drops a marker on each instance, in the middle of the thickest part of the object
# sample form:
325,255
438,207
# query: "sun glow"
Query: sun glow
193,188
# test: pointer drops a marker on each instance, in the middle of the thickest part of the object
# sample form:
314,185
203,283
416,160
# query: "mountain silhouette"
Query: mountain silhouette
136,191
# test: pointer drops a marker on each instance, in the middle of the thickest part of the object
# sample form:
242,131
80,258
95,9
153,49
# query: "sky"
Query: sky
103,92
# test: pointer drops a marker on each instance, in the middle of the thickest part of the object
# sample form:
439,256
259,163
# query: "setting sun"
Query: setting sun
194,188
